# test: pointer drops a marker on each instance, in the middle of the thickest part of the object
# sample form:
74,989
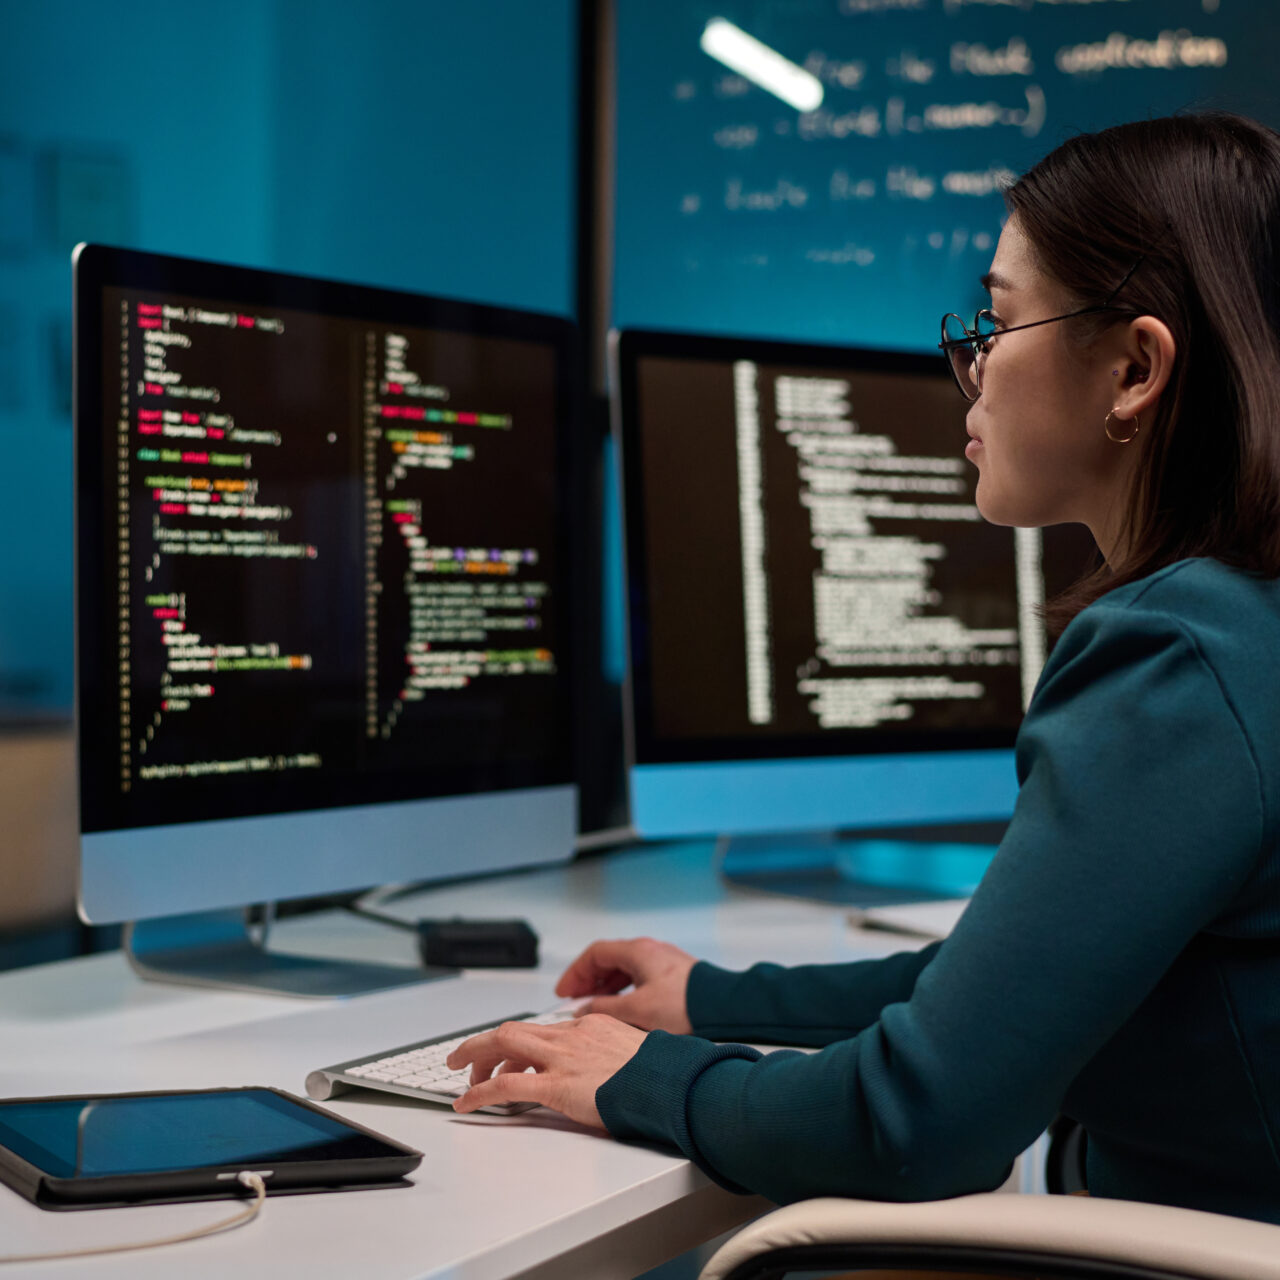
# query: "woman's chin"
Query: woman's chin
988,504
996,508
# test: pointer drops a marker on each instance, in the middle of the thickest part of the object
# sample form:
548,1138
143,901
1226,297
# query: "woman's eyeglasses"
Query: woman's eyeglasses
966,349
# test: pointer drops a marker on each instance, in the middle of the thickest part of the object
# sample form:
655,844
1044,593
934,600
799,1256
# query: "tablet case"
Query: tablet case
208,1182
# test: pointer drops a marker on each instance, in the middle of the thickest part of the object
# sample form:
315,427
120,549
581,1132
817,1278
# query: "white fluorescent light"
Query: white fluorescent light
761,65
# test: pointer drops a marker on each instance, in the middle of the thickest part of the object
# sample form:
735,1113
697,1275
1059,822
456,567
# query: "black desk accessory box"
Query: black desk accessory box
478,944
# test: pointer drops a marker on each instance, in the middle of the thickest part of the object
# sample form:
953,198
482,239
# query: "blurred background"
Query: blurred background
571,156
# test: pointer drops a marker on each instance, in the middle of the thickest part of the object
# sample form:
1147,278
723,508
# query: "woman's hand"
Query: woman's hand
658,972
570,1061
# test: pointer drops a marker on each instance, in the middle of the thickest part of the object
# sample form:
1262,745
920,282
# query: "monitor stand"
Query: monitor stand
221,949
870,869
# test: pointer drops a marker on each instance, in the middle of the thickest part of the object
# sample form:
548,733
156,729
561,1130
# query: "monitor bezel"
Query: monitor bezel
100,267
645,745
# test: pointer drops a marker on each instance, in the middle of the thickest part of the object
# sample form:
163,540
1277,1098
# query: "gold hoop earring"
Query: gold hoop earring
1106,428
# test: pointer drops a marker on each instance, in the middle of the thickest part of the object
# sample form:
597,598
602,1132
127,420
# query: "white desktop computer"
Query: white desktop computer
323,579
824,634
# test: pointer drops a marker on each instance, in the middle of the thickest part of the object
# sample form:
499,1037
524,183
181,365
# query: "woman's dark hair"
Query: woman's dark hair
1195,201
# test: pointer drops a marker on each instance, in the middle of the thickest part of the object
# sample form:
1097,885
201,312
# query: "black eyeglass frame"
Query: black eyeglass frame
981,342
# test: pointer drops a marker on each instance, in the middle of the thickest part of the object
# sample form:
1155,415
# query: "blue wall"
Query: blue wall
419,144
428,146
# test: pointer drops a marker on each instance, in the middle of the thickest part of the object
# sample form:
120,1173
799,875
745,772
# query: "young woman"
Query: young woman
1120,962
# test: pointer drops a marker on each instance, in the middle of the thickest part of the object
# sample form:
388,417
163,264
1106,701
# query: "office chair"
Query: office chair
1025,1236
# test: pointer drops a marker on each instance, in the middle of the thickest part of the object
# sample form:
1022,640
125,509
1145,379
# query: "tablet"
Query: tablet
140,1148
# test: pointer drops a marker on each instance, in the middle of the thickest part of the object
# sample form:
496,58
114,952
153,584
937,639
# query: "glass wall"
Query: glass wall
863,217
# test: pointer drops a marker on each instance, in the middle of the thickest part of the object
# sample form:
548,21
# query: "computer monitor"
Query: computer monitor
824,634
323,579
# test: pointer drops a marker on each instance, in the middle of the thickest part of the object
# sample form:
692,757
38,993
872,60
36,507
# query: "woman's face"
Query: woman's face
1038,441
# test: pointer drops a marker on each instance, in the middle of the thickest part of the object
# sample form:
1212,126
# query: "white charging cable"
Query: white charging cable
246,1179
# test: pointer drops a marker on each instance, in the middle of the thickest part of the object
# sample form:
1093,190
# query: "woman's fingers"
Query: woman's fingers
507,1086
605,966
620,1007
511,1065
511,1042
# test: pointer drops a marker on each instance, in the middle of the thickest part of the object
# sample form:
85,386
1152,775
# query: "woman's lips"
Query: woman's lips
975,443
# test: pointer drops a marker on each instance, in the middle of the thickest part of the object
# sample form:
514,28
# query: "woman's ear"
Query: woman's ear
1143,367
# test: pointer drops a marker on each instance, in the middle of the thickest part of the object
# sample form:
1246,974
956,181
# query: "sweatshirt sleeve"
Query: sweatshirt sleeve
811,1004
1139,817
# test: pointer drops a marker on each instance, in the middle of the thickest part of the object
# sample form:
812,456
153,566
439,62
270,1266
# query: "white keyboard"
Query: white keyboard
418,1070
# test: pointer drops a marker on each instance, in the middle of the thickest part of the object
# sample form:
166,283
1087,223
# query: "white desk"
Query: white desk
532,1195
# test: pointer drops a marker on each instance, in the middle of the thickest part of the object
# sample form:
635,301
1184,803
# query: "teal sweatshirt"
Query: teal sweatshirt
1119,963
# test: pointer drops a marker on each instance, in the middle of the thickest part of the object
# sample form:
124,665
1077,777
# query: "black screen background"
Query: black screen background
307,383
688,633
